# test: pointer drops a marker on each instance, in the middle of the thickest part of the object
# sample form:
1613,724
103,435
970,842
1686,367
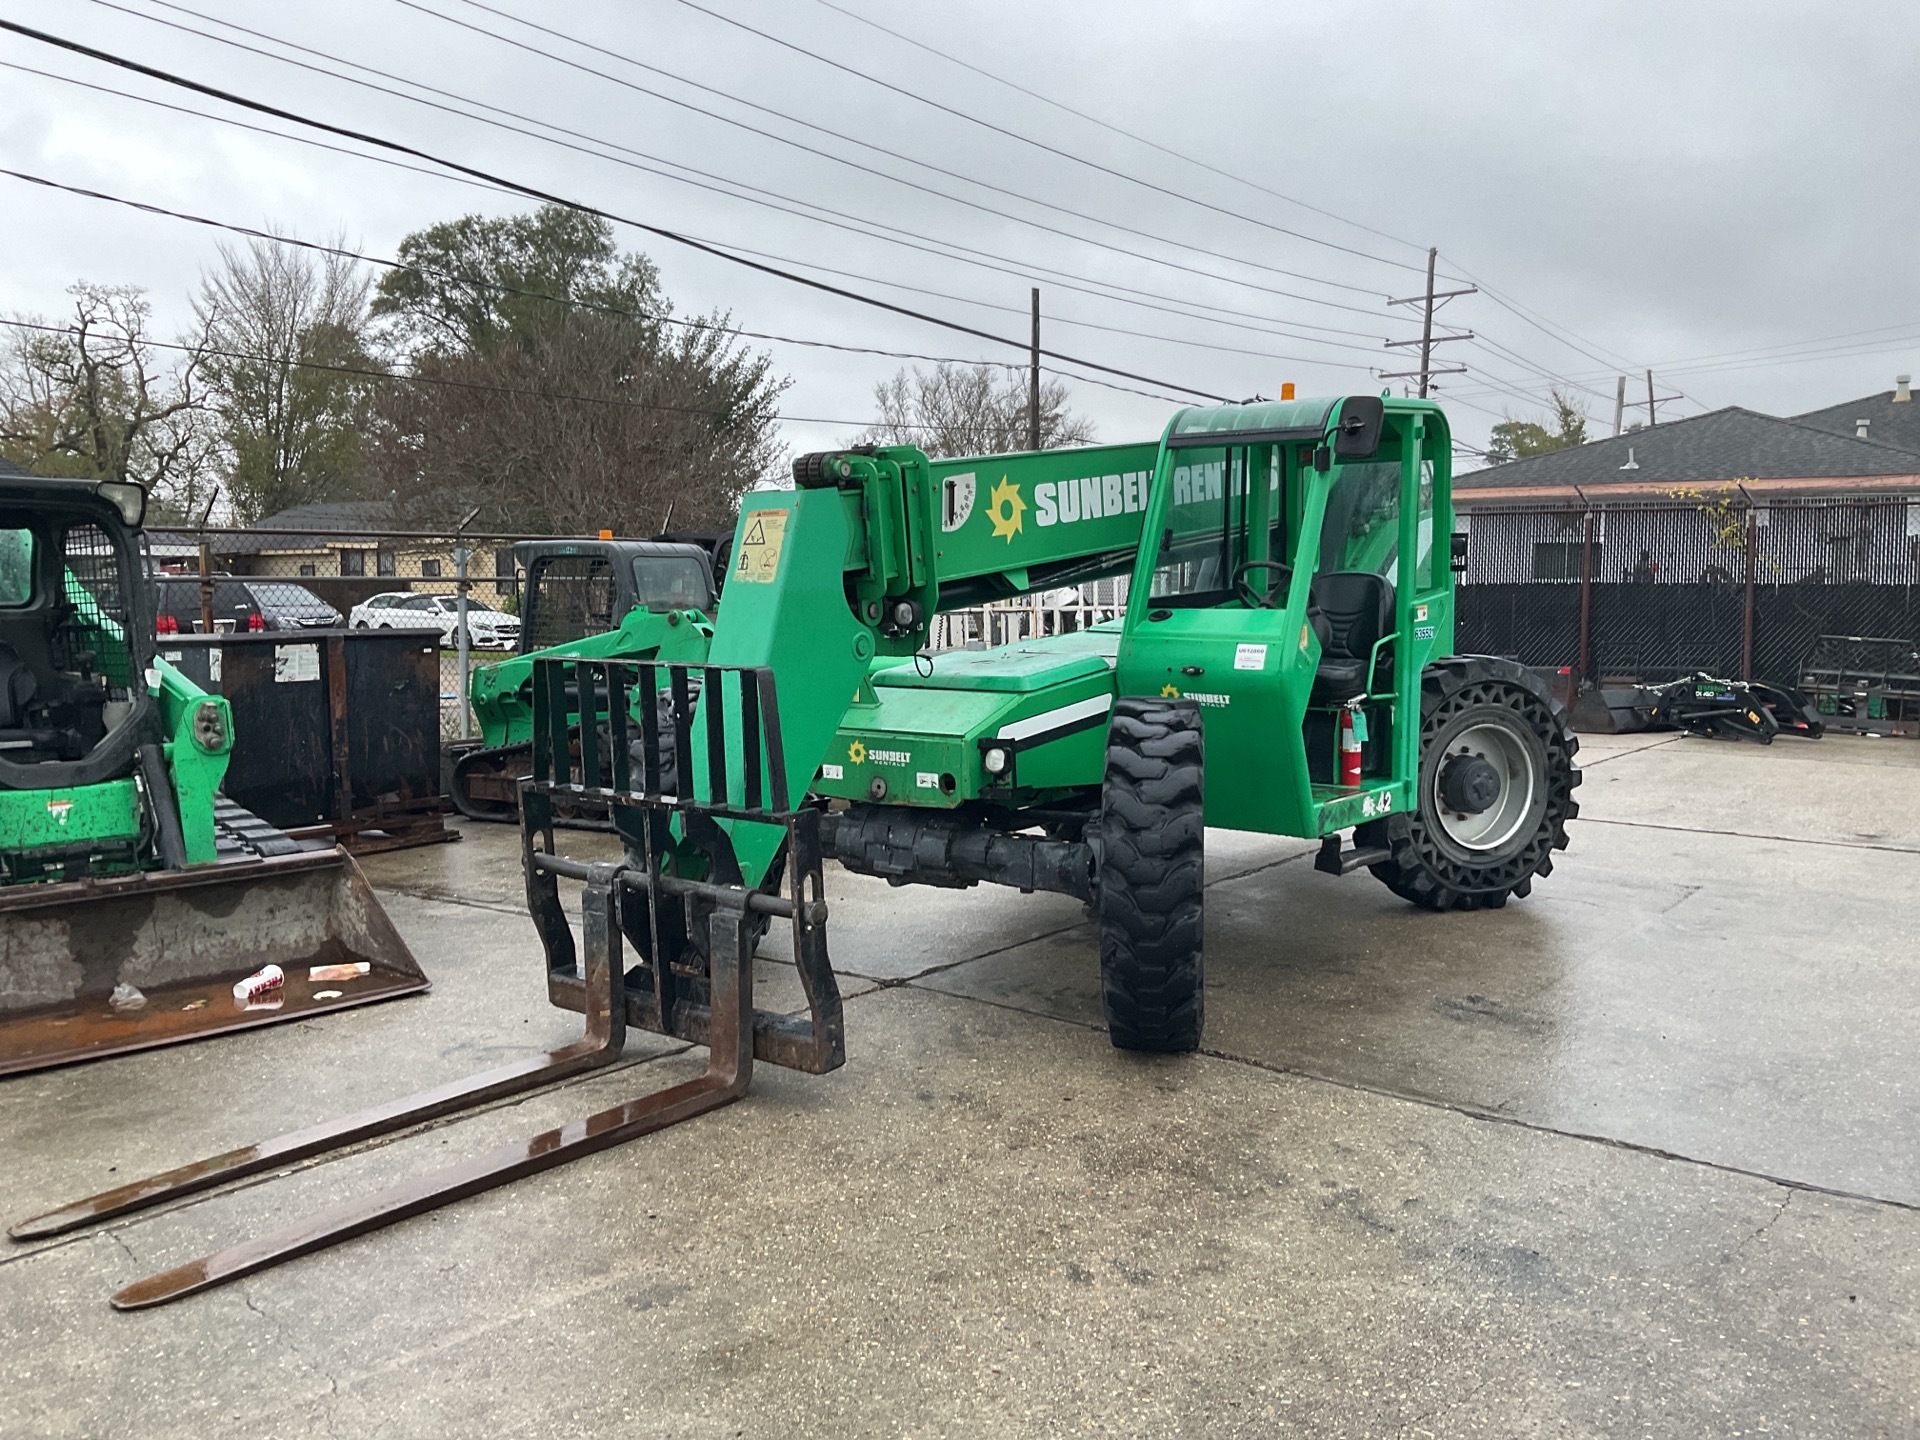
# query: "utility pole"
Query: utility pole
1033,378
1652,416
1429,303
1619,404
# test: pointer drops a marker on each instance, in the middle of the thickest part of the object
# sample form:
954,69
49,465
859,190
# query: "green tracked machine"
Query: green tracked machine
1284,665
132,894
598,599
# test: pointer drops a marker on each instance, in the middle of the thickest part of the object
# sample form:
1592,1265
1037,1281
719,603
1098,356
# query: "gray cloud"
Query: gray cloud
1662,182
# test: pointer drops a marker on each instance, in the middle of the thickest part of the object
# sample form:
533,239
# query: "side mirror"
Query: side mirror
1459,565
1356,433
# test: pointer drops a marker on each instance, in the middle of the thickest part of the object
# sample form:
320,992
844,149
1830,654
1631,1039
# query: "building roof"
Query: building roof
7,467
1889,421
1721,448
309,527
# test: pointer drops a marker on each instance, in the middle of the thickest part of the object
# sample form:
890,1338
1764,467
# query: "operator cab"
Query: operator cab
577,588
72,627
1274,591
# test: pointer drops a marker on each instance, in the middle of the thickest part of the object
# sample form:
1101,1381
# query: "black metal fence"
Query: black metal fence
1715,583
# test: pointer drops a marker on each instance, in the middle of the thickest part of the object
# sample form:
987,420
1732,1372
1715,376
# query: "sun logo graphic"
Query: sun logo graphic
857,753
1169,692
1006,510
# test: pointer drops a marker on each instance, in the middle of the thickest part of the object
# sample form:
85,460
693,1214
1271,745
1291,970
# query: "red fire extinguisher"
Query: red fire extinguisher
1350,738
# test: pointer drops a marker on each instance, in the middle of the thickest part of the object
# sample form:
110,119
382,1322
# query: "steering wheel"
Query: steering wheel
1261,599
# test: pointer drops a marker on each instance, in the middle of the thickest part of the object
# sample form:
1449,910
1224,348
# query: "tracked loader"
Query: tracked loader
133,896
604,599
1285,665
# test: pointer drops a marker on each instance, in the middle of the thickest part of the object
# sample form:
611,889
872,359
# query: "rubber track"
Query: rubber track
1151,836
1419,871
237,831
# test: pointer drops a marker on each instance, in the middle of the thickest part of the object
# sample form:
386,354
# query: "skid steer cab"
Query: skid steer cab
610,599
133,895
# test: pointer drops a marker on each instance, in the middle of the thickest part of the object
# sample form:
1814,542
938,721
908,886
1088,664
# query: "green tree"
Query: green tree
970,410
1518,439
95,398
476,284
553,393
293,433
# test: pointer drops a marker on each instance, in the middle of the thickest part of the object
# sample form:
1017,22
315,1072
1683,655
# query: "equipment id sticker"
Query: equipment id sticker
758,559
1249,657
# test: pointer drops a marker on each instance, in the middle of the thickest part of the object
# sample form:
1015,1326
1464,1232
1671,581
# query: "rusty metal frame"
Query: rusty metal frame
715,1009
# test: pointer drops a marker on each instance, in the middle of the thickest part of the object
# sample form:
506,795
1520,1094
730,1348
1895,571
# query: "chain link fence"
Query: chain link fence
272,580
1646,592
1781,591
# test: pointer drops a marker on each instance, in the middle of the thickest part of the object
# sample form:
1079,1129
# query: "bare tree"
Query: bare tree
970,410
93,398
284,333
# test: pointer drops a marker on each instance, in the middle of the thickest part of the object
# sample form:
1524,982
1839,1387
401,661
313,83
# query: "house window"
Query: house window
353,562
308,570
429,569
386,564
1557,559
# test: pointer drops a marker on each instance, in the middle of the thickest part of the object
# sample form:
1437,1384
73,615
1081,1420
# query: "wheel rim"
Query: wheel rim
1503,748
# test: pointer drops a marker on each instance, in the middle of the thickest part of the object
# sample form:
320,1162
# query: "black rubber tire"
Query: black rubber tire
1151,844
1426,868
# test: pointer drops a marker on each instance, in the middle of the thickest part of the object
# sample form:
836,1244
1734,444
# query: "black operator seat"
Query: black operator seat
18,686
1350,611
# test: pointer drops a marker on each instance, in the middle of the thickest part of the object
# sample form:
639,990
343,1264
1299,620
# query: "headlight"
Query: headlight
996,761
209,727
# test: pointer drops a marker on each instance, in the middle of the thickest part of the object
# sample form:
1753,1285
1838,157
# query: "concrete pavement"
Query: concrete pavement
1636,1156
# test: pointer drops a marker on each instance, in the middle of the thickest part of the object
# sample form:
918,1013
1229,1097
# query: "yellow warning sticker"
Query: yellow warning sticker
757,560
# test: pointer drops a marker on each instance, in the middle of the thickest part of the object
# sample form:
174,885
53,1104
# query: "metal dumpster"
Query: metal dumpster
336,731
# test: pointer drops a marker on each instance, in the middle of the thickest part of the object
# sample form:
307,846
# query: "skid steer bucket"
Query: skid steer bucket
97,967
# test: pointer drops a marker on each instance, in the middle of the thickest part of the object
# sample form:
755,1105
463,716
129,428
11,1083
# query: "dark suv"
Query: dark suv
241,605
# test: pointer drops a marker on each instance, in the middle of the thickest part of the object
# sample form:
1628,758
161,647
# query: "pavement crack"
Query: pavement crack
896,981
1494,1117
1786,1199
1590,819
1636,750
121,1240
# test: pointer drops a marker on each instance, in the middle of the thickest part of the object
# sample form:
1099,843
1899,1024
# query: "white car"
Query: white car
487,628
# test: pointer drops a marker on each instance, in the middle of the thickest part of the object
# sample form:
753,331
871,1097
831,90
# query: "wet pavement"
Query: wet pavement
1639,1155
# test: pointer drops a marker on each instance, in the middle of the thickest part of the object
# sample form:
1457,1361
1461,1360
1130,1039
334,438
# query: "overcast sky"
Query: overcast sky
1632,185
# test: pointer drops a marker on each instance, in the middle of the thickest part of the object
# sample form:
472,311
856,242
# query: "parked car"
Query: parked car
487,628
238,604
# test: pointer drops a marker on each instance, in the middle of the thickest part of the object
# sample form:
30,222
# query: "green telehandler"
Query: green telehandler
133,895
1284,665
603,599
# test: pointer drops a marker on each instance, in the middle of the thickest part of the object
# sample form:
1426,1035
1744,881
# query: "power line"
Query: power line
1058,278
1136,138
1077,289
862,223
824,130
536,193
589,305
1029,140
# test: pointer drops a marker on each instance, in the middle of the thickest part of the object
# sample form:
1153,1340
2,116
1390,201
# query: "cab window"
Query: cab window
16,566
1226,513
1361,527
